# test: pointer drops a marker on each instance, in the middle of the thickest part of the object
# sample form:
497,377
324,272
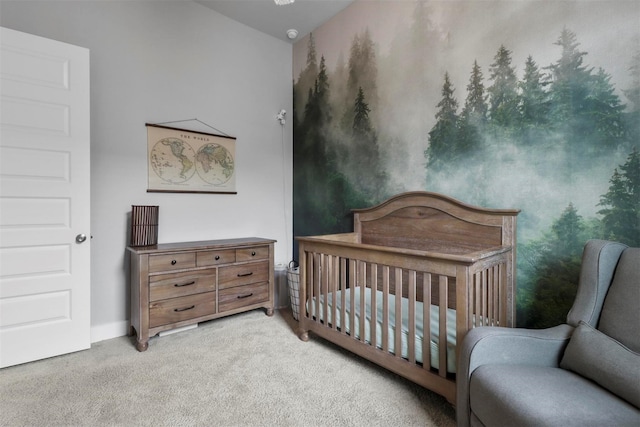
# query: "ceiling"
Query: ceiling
264,15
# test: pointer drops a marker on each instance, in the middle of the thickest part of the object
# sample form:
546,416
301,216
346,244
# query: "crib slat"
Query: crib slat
478,298
480,314
305,294
374,306
310,284
385,308
398,323
352,300
426,319
490,296
495,270
411,337
503,293
469,296
316,284
485,293
362,283
333,282
442,339
343,295
324,286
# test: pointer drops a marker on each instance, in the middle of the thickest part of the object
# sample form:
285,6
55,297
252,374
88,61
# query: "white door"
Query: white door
44,198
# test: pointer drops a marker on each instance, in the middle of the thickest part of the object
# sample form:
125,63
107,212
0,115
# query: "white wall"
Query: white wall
162,61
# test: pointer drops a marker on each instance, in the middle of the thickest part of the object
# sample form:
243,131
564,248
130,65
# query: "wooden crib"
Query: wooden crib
431,250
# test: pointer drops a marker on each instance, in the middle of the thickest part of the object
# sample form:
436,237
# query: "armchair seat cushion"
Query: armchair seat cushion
528,395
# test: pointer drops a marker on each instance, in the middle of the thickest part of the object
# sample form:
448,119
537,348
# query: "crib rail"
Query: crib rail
404,284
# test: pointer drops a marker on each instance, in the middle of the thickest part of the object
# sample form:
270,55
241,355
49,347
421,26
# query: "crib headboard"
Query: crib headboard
434,222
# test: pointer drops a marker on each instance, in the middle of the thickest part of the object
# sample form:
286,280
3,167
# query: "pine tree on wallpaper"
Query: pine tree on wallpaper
362,74
475,105
585,107
556,274
503,105
444,133
534,101
621,204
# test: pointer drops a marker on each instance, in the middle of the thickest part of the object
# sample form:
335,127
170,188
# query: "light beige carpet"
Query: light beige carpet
244,370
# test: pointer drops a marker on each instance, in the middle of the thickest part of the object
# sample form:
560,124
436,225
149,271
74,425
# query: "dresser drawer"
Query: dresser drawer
171,285
170,262
237,275
206,258
184,308
250,254
242,296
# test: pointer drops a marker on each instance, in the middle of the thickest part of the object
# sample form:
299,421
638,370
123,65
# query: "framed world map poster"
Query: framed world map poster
183,161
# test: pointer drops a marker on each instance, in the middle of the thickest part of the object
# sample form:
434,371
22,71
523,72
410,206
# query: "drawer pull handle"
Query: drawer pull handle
253,253
184,309
217,257
173,262
245,296
245,274
179,285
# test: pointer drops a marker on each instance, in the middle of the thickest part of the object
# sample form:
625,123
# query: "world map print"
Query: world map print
189,162
173,160
214,164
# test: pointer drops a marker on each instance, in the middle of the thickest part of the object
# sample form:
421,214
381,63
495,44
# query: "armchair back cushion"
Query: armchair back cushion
620,318
599,260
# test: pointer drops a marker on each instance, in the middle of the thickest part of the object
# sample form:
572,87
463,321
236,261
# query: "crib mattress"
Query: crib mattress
434,333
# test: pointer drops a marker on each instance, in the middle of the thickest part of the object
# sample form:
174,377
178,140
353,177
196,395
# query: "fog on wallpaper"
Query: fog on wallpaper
399,96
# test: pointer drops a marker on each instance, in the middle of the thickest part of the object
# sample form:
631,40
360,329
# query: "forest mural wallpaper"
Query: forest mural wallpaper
524,104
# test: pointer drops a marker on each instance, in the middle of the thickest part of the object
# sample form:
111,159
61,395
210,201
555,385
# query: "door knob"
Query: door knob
81,238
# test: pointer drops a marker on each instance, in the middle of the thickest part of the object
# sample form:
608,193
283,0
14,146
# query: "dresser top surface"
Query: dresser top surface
200,245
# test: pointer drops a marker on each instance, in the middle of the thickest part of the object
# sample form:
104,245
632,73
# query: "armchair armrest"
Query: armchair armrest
496,345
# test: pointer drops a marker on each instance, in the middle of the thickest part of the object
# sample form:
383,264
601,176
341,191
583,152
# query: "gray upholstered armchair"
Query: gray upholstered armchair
583,373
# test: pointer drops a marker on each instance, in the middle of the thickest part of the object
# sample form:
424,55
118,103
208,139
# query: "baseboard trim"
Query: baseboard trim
109,330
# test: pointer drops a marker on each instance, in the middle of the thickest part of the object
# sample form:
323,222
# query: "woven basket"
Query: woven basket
293,279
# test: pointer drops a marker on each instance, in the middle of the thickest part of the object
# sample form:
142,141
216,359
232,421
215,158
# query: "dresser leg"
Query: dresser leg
142,345
270,312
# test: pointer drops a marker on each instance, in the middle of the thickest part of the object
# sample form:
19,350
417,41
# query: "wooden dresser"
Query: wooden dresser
179,284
